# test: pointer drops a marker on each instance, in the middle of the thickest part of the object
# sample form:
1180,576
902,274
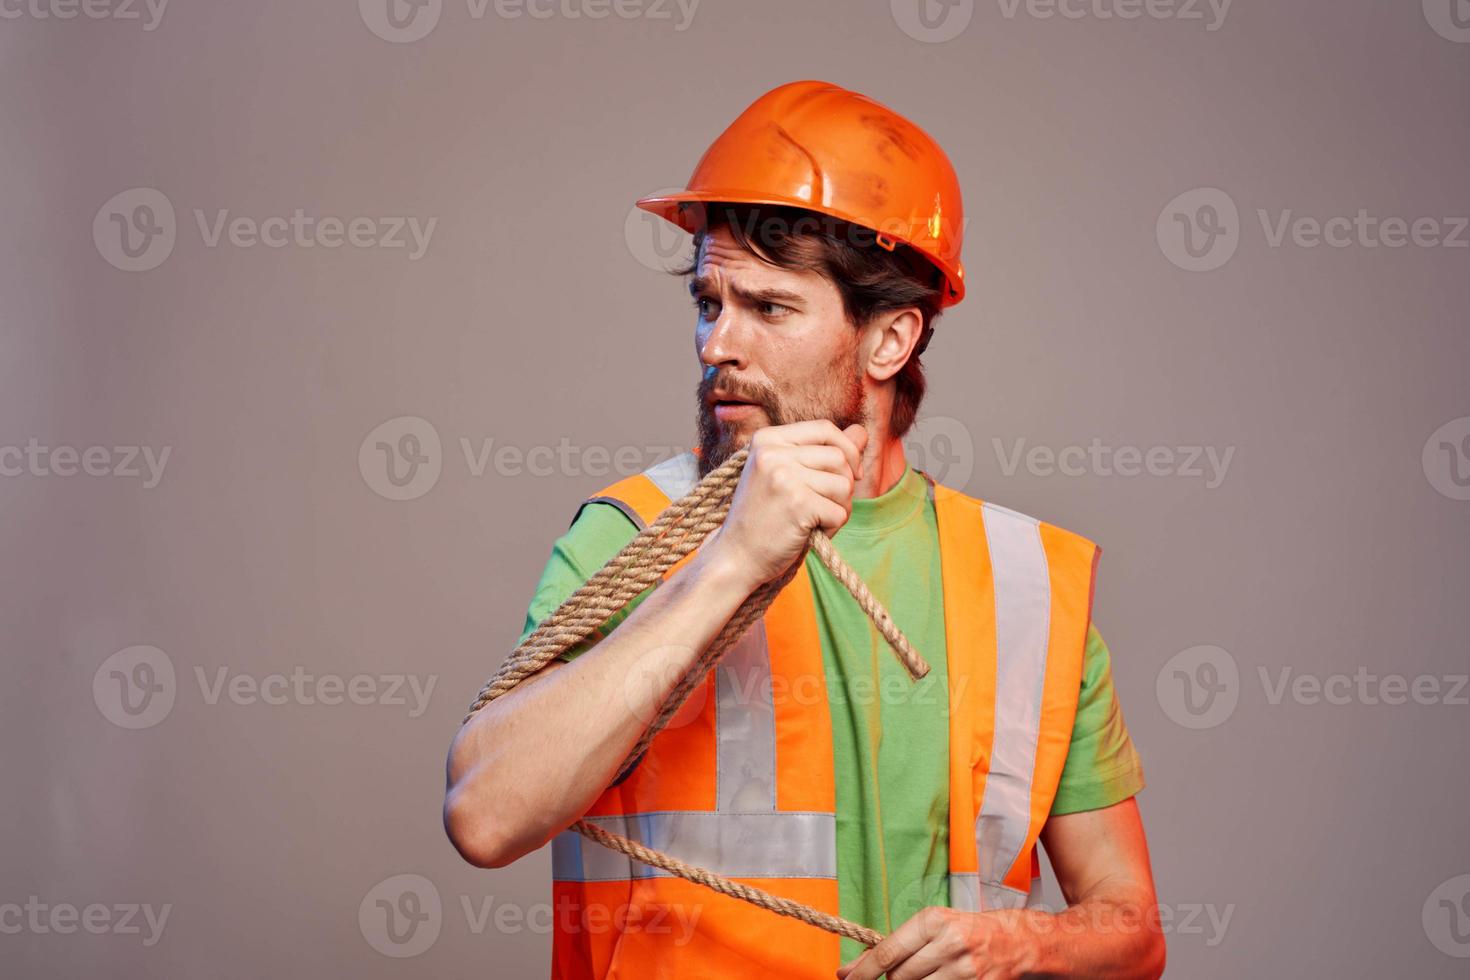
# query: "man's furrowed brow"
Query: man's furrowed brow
769,294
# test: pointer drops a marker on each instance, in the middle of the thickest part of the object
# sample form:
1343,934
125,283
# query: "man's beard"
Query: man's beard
718,442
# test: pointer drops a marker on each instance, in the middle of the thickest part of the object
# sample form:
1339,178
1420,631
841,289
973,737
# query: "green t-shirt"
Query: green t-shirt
891,759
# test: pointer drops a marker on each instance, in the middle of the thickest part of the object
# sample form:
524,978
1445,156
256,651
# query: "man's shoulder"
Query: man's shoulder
999,519
640,496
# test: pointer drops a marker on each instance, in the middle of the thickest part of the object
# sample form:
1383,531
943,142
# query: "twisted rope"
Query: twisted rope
640,565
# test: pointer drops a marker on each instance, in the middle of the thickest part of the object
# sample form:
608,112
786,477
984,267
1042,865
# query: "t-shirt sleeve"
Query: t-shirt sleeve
599,532
1102,765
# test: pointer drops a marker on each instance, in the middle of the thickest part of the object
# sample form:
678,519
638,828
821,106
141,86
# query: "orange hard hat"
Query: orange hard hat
818,146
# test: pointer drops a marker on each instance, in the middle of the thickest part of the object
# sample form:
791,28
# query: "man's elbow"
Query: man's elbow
1155,956
475,834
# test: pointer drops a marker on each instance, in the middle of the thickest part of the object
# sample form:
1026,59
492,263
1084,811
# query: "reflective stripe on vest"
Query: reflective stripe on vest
742,780
735,844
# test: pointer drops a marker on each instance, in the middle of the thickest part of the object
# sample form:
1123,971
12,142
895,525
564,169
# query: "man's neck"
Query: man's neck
883,466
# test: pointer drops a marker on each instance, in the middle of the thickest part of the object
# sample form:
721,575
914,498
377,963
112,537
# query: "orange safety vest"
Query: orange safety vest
742,782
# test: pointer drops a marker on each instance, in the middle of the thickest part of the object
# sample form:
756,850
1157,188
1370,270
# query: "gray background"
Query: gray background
1328,833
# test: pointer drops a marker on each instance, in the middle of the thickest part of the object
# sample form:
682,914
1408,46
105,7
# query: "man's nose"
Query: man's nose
724,343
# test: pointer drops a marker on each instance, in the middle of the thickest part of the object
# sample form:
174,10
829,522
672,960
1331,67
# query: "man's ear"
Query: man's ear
892,337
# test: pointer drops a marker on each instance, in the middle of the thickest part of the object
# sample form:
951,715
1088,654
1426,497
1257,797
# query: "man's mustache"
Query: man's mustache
764,397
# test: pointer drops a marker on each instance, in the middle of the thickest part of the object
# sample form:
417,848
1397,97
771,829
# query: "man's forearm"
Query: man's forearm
1113,932
532,761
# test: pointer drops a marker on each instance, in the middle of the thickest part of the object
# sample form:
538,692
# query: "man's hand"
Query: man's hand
941,942
799,477
1111,927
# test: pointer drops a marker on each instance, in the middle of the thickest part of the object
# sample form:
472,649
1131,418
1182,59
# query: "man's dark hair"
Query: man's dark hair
871,279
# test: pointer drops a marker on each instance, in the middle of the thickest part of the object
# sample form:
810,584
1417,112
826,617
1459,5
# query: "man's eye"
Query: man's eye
704,305
774,309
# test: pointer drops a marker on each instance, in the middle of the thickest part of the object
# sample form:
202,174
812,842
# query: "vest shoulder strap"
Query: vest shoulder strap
643,496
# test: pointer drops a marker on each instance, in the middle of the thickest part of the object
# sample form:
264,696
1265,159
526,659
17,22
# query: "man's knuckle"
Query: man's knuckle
885,956
951,941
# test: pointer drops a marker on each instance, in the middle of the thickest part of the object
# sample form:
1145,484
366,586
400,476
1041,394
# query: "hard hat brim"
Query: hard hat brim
675,209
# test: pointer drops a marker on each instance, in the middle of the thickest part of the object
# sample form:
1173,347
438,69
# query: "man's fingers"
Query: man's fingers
832,517
858,433
824,457
927,961
831,496
902,943
816,432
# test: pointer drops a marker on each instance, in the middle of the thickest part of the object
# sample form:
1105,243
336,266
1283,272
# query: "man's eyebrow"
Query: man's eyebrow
700,284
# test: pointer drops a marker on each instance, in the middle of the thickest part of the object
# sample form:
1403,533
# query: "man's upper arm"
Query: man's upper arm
1102,767
599,532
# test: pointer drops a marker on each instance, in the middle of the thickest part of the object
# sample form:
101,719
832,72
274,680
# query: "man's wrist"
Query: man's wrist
724,570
